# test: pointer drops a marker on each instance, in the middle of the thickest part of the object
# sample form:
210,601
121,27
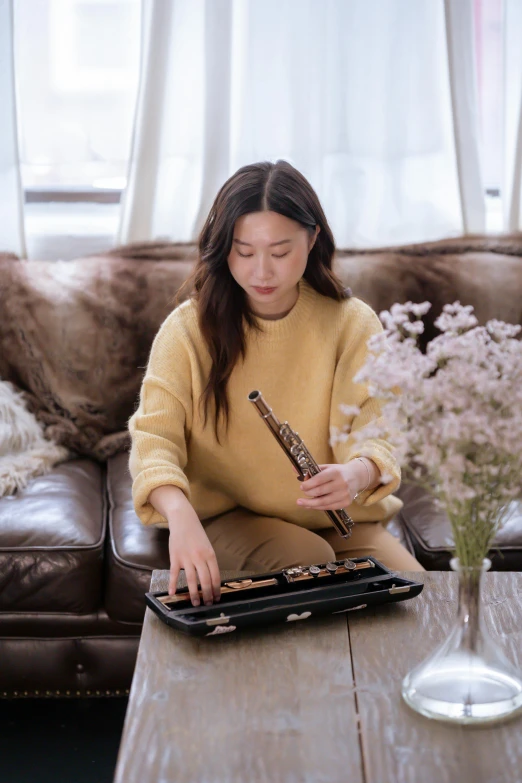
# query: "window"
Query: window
77,67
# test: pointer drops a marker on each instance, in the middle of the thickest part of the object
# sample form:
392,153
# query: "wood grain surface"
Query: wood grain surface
274,705
400,746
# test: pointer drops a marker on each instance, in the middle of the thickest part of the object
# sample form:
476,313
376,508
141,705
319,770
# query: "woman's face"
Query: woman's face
269,251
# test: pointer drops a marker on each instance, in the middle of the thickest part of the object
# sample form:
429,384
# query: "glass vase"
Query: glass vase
467,680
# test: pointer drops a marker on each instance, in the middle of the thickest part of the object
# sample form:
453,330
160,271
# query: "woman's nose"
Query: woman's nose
264,268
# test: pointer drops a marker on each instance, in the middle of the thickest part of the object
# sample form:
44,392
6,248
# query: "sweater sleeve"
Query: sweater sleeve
158,428
347,393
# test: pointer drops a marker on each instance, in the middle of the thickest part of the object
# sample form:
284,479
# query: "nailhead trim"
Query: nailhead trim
63,694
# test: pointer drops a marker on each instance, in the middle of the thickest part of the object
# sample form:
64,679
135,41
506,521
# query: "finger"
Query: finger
319,479
215,576
205,582
334,501
324,489
173,578
192,583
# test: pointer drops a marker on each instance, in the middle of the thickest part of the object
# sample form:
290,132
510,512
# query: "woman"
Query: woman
266,312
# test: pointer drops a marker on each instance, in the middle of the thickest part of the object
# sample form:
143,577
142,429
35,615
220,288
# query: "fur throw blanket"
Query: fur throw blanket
24,452
75,336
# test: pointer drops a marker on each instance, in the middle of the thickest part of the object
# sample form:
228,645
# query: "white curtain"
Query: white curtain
11,194
512,184
373,100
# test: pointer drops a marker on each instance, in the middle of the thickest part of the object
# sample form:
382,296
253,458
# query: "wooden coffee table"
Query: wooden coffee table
316,701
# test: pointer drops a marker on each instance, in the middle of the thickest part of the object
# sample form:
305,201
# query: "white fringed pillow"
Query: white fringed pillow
24,452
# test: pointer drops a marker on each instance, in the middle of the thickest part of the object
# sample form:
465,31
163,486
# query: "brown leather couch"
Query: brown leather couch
75,561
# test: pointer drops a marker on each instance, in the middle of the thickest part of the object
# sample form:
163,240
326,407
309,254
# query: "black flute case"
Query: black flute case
287,601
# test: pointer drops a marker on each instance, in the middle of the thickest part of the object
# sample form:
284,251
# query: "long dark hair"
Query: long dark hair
223,307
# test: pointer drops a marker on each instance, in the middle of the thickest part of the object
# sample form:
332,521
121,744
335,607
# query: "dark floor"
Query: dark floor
60,740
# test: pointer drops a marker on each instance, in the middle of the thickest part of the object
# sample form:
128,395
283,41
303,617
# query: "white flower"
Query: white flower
453,416
456,318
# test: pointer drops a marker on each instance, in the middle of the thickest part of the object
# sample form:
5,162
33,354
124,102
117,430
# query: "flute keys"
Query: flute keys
332,567
315,570
293,572
350,565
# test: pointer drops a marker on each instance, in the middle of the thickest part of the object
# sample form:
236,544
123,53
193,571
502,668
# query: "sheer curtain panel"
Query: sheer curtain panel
373,100
512,185
11,196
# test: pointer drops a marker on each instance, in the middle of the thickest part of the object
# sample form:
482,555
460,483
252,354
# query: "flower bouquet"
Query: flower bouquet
454,418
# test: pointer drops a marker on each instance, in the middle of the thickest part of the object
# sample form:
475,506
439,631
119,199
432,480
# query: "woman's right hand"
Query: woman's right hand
189,547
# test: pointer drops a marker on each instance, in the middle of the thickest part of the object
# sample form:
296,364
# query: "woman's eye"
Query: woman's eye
249,255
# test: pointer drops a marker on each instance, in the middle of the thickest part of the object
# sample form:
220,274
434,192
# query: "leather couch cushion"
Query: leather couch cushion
51,542
429,531
134,550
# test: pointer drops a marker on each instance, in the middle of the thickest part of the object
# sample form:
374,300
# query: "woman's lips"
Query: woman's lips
264,290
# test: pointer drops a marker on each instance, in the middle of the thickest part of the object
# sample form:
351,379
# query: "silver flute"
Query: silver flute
299,456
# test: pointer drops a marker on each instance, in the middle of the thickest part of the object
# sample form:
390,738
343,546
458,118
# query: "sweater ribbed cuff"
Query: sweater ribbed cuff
150,479
387,467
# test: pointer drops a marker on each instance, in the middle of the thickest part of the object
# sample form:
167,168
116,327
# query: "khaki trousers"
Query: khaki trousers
244,541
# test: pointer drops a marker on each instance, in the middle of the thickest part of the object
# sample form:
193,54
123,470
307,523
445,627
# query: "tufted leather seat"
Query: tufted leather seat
55,636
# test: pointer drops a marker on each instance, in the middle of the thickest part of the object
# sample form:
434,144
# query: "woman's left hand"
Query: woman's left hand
333,488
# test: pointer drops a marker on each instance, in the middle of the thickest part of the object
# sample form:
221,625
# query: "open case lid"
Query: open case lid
286,596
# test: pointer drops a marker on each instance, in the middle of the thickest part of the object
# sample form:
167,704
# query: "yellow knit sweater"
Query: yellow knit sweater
303,364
